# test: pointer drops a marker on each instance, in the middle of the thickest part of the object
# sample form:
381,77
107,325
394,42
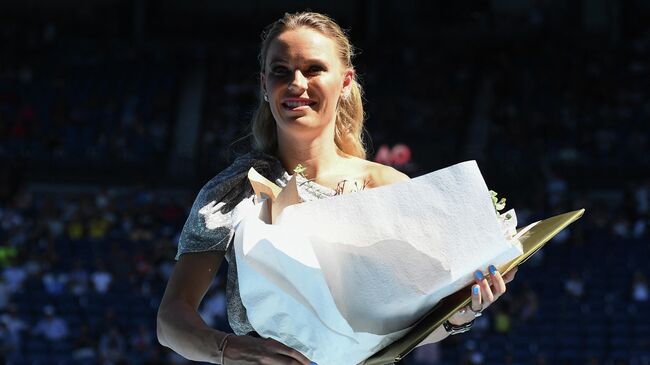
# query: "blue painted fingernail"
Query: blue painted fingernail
493,270
475,290
312,363
478,275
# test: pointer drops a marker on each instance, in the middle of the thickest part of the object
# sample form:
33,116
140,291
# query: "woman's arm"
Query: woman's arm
179,325
437,335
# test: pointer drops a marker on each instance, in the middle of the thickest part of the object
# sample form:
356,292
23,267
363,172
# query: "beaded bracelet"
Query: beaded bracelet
222,346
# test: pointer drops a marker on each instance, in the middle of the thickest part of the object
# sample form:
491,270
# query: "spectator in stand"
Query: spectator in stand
84,345
7,253
642,197
141,343
640,227
75,228
112,347
142,339
52,218
502,320
101,278
15,325
55,282
621,226
640,291
574,286
4,294
51,327
472,354
9,343
98,226
79,278
529,304
14,276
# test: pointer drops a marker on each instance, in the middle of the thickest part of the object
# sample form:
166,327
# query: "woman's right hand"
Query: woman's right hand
248,350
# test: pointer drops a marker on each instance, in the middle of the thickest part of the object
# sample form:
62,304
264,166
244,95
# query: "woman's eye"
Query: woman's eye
279,70
315,69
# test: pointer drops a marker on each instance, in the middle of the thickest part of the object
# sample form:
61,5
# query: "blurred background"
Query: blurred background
113,114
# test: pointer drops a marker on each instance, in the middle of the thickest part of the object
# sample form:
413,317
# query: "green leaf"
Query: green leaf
498,204
300,169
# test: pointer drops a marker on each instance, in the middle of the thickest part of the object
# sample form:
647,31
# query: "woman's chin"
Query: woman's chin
301,126
304,121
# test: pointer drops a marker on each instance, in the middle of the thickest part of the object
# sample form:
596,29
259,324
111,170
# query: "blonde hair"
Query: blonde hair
349,114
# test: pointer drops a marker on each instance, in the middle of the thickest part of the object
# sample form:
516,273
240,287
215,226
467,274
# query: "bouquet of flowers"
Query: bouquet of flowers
340,278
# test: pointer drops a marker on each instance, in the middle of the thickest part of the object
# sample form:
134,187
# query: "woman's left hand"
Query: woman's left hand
486,290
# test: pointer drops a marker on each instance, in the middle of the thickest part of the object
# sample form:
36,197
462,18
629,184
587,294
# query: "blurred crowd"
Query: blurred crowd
82,275
76,104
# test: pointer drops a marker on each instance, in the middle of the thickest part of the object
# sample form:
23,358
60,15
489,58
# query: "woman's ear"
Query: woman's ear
348,78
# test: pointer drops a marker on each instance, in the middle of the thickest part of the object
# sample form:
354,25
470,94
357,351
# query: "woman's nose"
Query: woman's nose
299,81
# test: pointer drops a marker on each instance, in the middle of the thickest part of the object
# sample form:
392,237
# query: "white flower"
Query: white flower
508,220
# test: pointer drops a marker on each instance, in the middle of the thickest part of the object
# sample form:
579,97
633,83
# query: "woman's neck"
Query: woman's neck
318,156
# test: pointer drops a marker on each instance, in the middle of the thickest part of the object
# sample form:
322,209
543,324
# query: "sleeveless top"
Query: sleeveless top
210,228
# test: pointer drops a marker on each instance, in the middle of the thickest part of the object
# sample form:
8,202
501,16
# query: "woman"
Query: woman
310,114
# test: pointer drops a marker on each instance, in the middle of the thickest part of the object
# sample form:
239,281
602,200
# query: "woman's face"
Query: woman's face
304,79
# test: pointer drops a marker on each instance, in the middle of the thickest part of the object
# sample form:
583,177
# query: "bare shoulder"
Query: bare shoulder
381,175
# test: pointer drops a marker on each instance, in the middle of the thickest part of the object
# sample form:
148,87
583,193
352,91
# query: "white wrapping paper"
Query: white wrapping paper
340,278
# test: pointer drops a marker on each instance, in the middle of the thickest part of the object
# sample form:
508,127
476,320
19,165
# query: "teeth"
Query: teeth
293,104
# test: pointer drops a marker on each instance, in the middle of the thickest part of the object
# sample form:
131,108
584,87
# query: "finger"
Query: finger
497,281
486,292
510,275
282,349
476,305
461,317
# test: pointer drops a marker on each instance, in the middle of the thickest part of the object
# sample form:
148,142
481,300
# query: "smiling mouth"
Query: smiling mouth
297,105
